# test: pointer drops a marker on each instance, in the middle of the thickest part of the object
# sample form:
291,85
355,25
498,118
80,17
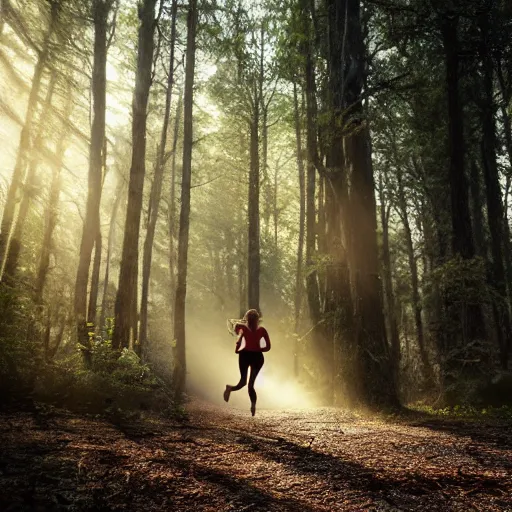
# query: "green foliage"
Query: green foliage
463,280
466,411
119,382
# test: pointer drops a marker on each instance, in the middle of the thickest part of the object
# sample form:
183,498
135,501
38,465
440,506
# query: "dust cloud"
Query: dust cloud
212,363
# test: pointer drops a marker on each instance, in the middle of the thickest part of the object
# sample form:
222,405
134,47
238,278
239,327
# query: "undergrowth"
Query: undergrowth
115,382
465,412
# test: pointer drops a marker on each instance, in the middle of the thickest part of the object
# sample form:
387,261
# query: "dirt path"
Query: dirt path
222,459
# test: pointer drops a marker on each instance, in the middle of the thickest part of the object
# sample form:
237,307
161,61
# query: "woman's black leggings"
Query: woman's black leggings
246,360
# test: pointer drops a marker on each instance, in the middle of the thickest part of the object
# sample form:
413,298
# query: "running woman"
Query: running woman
250,353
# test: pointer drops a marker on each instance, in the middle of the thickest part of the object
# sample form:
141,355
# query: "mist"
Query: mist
212,363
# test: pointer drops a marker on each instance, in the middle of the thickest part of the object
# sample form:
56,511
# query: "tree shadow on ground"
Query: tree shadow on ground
414,490
496,433
93,465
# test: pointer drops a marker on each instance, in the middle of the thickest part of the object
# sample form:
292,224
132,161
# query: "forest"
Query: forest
343,167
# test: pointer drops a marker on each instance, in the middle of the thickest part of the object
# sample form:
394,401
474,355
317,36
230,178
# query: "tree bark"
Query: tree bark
126,299
507,131
388,282
312,289
253,282
110,244
466,318
413,269
95,280
299,285
156,191
181,288
29,189
101,9
494,198
378,386
20,167
173,235
476,210
462,240
51,218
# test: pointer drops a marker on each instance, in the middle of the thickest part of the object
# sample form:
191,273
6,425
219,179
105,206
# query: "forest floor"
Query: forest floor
222,459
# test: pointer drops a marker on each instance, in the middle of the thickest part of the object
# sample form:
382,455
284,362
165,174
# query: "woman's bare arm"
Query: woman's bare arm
267,341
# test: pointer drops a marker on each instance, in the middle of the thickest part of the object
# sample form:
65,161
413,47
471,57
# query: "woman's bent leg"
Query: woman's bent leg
243,364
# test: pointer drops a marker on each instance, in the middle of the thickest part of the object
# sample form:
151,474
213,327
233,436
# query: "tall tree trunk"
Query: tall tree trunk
173,234
241,262
52,209
494,198
51,221
416,298
110,244
476,210
388,281
462,239
299,285
263,111
312,161
181,289
378,386
156,191
52,350
413,269
14,249
51,218
95,279
100,11
253,282
22,157
126,299
467,318
302,211
275,210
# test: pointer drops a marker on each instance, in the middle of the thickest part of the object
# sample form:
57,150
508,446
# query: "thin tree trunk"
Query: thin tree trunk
181,289
52,351
156,191
263,110
322,225
172,209
253,282
275,210
13,252
302,210
18,175
110,244
311,133
413,269
299,285
126,299
95,280
476,210
388,282
241,253
51,221
51,217
92,215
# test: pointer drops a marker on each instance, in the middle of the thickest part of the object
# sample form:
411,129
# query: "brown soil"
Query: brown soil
221,459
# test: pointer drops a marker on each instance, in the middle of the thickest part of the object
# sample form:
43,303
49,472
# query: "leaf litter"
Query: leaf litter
220,459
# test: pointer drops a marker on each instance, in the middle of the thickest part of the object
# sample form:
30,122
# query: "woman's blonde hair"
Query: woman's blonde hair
252,317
